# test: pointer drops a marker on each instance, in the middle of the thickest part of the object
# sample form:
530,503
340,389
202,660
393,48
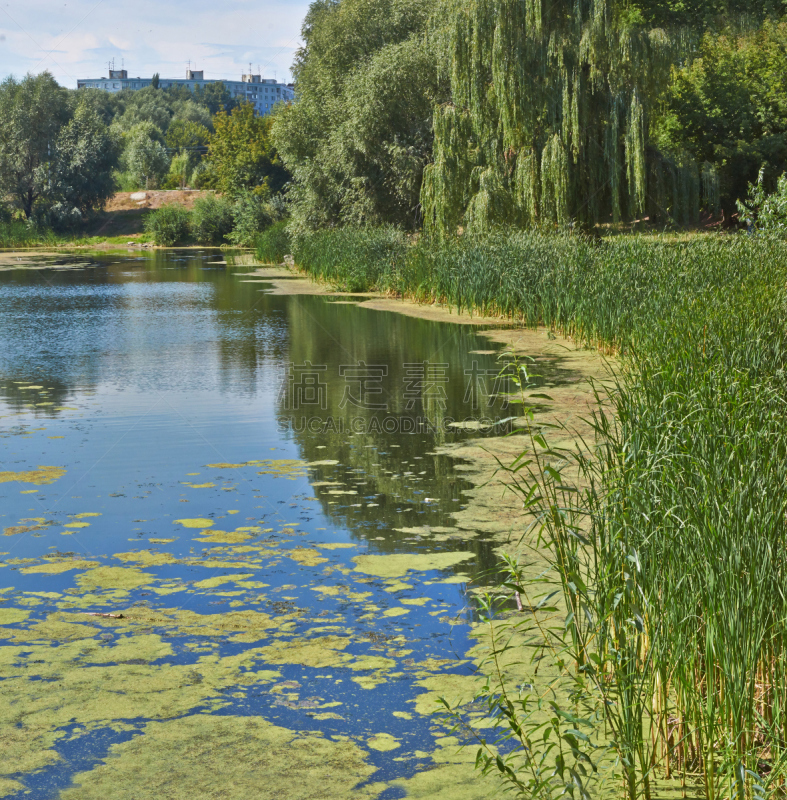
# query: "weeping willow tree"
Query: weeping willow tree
549,114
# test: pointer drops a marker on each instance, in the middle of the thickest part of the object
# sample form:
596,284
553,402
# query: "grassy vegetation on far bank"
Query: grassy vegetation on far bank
673,562
161,217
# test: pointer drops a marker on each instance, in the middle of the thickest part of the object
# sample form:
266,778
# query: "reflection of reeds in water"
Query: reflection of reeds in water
672,558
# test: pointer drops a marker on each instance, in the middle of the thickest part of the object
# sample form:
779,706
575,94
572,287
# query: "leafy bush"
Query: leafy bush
274,243
251,215
211,219
202,177
768,212
168,225
125,181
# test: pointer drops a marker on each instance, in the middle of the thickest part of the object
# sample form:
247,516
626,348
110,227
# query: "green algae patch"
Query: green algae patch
15,530
114,578
147,558
198,522
52,629
337,545
397,565
40,476
306,556
395,612
26,751
55,567
383,742
211,583
141,647
342,592
232,758
238,536
163,541
322,651
279,468
453,777
455,689
11,616
9,787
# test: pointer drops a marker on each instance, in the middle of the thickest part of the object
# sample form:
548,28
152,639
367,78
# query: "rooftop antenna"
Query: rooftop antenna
122,63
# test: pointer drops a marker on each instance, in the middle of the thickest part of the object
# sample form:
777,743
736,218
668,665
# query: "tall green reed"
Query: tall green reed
670,550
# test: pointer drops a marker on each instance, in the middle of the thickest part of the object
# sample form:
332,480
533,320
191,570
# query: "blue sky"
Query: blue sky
76,38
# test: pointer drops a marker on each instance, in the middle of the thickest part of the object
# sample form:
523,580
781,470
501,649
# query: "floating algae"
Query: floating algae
383,742
199,522
323,651
243,534
280,468
40,476
114,578
453,777
305,556
397,565
11,616
57,566
227,757
15,530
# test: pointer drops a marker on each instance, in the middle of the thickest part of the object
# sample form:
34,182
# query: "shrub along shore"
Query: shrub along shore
673,563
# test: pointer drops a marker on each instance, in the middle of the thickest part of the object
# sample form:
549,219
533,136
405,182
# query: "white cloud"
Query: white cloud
75,39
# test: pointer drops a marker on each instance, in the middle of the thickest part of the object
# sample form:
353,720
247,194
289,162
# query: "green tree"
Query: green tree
32,113
727,108
86,155
216,97
360,134
145,157
241,153
154,82
187,135
189,140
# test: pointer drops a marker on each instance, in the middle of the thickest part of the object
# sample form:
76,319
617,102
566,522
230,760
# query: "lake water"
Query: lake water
253,482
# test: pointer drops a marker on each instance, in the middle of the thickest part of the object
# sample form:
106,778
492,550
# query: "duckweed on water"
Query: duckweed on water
383,742
398,564
40,476
232,758
199,522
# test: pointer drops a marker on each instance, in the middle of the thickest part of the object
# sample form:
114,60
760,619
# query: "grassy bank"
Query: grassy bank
673,562
18,233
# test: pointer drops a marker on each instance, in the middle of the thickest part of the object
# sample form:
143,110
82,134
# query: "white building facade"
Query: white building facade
262,93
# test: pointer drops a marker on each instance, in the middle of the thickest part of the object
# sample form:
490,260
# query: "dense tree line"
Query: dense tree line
474,113
64,153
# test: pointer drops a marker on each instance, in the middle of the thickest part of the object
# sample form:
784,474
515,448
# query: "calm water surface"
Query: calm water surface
237,474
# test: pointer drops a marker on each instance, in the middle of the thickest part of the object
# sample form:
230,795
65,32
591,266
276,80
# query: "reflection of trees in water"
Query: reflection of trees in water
52,321
329,336
19,399
76,329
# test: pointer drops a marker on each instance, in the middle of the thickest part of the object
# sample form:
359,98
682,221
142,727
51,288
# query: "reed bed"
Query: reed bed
18,233
673,562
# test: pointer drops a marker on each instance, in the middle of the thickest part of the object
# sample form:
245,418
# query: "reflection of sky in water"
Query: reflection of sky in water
152,369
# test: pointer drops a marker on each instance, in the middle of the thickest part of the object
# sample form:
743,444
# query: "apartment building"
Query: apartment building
262,93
